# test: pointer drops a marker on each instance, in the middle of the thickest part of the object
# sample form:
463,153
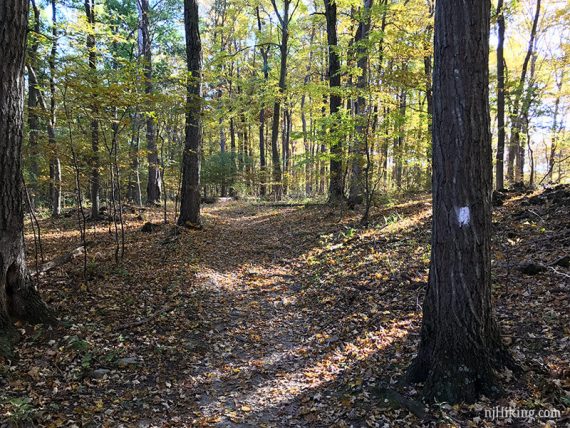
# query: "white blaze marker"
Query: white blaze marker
463,216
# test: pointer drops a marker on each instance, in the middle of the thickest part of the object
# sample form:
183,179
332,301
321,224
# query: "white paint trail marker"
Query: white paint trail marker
463,216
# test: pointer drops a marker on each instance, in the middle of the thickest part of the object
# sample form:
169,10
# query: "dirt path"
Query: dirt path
258,341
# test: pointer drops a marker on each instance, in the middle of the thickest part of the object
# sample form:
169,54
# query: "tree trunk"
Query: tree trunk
428,59
154,183
223,189
92,57
18,298
361,130
54,163
500,160
524,117
264,51
284,18
286,148
134,192
554,130
190,191
399,140
33,104
460,343
336,187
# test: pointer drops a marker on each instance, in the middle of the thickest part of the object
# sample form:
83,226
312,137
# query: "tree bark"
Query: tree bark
500,160
284,19
134,191
336,186
400,139
190,191
460,344
54,163
555,129
524,116
264,51
33,104
356,191
92,58
18,298
428,59
154,183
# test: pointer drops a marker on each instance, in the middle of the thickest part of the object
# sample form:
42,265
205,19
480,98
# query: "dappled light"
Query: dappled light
282,213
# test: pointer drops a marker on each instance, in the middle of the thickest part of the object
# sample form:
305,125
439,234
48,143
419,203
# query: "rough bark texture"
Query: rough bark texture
554,130
154,183
429,92
134,191
190,191
92,58
500,160
18,298
264,51
400,139
33,104
284,18
54,163
336,186
460,343
356,191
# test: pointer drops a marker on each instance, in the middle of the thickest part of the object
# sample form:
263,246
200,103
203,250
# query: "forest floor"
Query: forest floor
279,316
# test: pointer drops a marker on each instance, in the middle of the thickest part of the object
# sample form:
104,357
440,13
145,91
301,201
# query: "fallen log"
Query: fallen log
59,261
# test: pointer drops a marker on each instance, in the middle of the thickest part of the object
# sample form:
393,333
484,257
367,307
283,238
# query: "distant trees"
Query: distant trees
18,297
328,100
460,343
520,107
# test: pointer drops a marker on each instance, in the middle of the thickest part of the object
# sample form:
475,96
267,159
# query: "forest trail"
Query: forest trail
258,340
272,316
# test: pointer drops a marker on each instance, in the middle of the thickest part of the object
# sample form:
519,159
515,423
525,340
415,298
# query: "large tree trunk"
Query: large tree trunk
18,298
429,91
154,183
460,343
190,191
54,163
500,160
33,104
336,187
356,190
92,58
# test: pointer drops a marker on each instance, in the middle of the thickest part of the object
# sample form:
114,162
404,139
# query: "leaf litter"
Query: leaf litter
278,316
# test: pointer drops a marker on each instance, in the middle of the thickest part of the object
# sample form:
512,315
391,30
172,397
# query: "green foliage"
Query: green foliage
219,169
21,411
